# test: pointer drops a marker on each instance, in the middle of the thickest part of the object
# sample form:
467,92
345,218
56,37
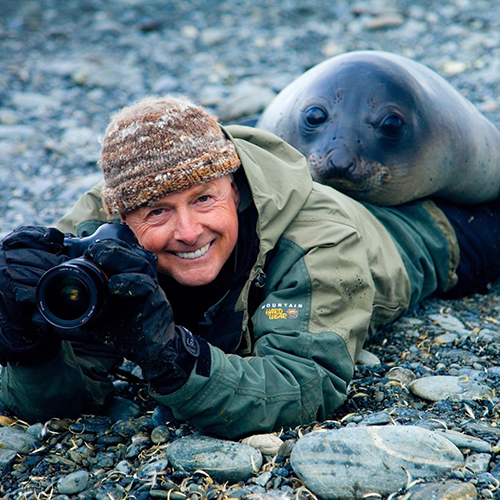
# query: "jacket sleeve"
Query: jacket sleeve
62,387
314,319
86,215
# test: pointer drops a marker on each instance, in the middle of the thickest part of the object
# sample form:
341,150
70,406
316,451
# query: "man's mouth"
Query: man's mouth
194,255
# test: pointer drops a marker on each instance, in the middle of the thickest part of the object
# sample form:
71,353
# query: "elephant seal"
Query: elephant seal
385,129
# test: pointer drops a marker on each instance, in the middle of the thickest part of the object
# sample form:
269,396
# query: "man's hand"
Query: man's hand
138,320
25,255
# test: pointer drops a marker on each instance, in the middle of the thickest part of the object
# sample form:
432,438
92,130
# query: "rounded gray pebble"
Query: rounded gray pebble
73,483
160,434
152,468
7,457
447,490
36,430
222,460
124,467
435,388
379,418
15,439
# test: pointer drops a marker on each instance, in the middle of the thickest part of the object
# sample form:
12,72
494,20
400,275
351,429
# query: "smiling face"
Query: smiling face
193,232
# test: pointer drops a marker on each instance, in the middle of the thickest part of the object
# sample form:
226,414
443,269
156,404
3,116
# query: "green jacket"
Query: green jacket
328,273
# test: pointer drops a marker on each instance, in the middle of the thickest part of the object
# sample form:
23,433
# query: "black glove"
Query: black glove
137,320
25,255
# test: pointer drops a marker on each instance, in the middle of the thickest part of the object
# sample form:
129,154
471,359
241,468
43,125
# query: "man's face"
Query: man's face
193,232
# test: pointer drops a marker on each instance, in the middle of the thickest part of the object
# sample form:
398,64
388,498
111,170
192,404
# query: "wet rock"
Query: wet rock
488,335
400,374
474,375
105,460
153,468
8,116
263,479
22,132
450,323
110,492
223,460
494,371
440,387
124,467
465,441
447,490
76,188
7,457
267,444
286,448
108,74
478,462
246,101
454,67
37,430
367,358
73,483
163,415
33,101
212,36
379,418
351,462
389,20
78,137
461,356
482,428
160,434
447,338
165,85
15,439
10,148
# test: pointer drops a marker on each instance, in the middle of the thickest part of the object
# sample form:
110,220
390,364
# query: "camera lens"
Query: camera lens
71,294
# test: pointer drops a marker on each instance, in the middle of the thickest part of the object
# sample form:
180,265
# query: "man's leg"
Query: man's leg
477,229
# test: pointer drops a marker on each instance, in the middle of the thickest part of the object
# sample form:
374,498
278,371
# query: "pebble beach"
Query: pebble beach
422,418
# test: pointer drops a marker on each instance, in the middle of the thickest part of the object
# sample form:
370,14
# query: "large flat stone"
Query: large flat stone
351,462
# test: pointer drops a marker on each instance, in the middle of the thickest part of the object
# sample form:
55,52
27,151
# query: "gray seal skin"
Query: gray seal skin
385,129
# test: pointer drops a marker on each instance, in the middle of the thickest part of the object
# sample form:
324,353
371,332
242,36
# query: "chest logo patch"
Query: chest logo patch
281,310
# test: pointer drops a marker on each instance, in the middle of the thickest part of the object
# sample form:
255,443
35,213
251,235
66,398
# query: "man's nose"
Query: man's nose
187,227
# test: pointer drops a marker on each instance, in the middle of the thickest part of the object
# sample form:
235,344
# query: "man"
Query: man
267,283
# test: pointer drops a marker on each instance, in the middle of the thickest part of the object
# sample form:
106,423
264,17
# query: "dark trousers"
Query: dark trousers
478,232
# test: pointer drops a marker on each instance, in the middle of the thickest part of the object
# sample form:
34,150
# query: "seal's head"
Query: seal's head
366,122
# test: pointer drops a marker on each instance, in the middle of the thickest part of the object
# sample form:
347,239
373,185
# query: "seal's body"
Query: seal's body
386,129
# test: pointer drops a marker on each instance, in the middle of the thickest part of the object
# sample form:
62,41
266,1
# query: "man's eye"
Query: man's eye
204,198
156,212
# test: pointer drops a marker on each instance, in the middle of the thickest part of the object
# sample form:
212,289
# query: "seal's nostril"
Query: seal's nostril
340,162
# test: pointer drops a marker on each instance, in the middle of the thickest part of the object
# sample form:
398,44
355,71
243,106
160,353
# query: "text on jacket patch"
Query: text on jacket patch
281,310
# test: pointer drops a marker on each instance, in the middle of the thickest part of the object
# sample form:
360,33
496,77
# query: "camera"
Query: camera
75,292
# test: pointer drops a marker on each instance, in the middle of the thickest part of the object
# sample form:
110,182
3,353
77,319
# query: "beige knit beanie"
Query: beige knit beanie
160,146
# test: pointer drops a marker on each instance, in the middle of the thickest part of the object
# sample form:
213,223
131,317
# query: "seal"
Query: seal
385,129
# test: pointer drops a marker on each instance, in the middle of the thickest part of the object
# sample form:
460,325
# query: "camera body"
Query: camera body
75,292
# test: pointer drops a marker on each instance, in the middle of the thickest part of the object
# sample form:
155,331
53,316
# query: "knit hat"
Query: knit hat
160,146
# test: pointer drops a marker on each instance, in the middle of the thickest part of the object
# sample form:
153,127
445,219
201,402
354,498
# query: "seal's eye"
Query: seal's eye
392,126
315,116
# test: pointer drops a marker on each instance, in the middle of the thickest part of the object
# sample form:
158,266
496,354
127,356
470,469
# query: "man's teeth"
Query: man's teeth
193,255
